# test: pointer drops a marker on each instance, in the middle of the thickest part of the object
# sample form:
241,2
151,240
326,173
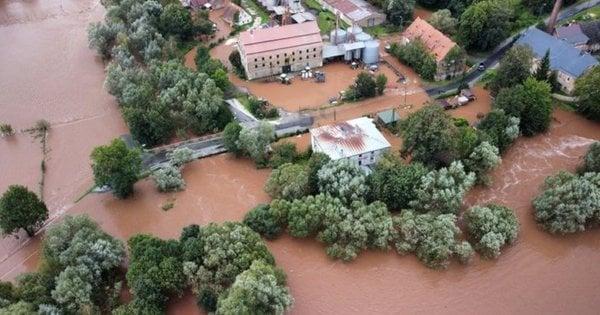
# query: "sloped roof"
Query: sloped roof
592,30
572,34
436,42
563,56
280,37
349,138
355,10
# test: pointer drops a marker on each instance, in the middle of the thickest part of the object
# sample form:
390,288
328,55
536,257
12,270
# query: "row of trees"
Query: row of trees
79,273
416,56
158,97
348,210
569,203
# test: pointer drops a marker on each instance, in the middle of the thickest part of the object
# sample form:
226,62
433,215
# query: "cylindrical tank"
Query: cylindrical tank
353,31
357,53
371,52
348,55
362,37
338,36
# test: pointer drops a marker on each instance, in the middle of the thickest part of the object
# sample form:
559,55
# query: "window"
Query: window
307,50
277,62
277,56
300,58
314,49
359,163
285,55
263,58
293,59
360,155
255,59
263,65
255,66
315,56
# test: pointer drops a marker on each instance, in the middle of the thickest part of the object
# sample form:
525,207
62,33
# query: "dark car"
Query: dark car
481,67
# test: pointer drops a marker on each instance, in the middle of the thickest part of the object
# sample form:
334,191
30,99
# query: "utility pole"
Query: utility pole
554,16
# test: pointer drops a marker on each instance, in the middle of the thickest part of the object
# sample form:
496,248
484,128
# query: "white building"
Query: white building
357,140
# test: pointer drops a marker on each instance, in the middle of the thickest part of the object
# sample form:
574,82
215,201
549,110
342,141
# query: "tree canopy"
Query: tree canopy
514,68
588,94
491,227
21,209
485,24
117,167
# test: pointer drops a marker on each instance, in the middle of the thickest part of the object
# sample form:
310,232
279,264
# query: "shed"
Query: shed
388,117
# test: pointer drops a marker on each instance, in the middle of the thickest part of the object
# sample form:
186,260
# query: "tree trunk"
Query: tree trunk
554,15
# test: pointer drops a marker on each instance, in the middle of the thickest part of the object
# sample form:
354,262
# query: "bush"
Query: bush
6,130
482,160
343,179
501,129
490,227
305,216
176,20
568,203
217,255
282,153
180,156
168,179
591,159
315,163
442,191
255,142
349,230
289,181
433,238
258,290
231,135
588,94
21,209
117,167
393,182
514,68
265,220
236,61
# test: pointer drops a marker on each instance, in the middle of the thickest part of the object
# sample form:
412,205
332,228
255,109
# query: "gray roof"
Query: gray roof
592,30
388,116
563,56
572,34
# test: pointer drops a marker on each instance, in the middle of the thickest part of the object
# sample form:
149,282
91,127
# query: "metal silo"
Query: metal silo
338,36
371,52
362,37
353,31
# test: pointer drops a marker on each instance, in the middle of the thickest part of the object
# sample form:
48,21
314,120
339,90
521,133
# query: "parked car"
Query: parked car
481,67
444,104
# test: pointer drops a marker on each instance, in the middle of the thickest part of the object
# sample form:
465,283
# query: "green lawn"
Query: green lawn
382,30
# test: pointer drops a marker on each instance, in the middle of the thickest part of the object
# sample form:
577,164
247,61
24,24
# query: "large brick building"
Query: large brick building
282,49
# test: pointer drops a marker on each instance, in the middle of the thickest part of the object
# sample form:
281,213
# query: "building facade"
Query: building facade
355,12
282,49
356,140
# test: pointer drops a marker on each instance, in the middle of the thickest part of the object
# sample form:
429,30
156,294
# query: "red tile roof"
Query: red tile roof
280,37
436,42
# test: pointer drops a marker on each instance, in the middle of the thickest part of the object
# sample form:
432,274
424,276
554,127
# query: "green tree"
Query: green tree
180,156
491,227
21,209
393,181
501,129
482,160
381,81
266,220
591,159
284,152
255,142
543,71
365,86
531,102
433,238
515,68
168,179
443,21
289,181
442,191
117,167
231,135
315,163
588,94
236,61
427,135
415,55
19,308
485,24
305,216
399,12
259,290
176,20
343,179
568,203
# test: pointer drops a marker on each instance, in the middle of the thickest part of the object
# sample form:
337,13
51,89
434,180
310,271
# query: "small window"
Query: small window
359,163
293,59
285,54
263,58
300,58
255,66
277,55
314,49
307,50
263,65
315,56
293,53
255,59
277,62
270,57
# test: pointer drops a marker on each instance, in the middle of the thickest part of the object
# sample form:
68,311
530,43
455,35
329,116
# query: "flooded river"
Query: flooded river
48,72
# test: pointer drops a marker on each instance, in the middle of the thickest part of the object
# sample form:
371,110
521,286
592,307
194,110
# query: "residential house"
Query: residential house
357,140
572,34
569,62
449,57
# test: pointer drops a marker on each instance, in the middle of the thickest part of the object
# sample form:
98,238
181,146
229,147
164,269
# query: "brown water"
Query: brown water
48,72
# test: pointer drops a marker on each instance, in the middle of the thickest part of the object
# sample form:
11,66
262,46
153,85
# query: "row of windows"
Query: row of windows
286,54
293,60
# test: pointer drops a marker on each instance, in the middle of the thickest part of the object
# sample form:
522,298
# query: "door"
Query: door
286,69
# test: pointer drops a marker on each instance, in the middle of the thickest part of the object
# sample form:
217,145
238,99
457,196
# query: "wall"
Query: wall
271,63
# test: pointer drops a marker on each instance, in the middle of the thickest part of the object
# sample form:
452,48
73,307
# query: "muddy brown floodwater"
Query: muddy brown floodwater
48,72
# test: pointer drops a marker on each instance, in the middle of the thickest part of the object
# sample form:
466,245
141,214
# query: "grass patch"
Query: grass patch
325,19
569,107
447,94
381,30
258,10
590,14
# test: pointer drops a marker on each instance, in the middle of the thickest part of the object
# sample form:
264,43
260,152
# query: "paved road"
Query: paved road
491,60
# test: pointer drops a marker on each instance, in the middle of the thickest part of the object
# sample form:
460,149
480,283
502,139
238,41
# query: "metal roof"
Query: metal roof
330,51
388,116
349,138
280,37
563,56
